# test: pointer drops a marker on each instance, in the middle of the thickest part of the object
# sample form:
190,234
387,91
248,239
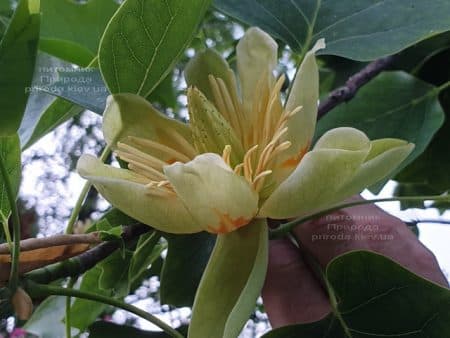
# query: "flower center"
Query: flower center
261,129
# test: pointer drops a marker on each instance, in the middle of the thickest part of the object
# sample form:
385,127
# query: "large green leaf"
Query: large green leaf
11,154
45,112
378,298
18,50
85,88
394,104
431,170
72,30
231,282
361,30
144,40
183,267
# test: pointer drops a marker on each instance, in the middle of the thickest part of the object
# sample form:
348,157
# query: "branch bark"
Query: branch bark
353,84
77,265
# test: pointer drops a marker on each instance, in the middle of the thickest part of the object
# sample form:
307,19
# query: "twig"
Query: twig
46,242
77,265
353,84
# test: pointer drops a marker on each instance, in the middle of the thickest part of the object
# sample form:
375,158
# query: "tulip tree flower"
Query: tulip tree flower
244,156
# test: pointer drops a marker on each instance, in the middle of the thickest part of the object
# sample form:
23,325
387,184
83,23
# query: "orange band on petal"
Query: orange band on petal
293,161
227,224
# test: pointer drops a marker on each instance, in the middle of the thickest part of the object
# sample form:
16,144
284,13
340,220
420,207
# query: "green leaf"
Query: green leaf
107,329
328,327
398,303
11,154
18,50
85,312
231,282
144,40
5,6
431,170
147,252
393,105
111,234
112,218
47,319
415,57
45,112
72,31
114,276
83,87
183,267
37,123
362,30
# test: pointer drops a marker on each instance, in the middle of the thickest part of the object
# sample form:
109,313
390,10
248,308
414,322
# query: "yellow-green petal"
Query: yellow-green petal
256,55
126,191
321,174
231,283
131,115
218,199
304,93
385,156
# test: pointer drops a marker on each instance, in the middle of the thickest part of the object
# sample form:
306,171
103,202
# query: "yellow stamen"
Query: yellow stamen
238,168
146,171
233,118
226,154
151,145
183,145
273,99
248,169
261,175
218,99
133,155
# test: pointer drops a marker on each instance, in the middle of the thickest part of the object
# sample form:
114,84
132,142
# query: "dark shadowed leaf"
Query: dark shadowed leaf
72,31
108,329
186,260
372,305
394,104
11,155
18,49
361,30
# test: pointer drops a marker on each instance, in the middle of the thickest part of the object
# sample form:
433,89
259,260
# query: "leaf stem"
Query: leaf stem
68,318
14,275
39,290
285,228
443,86
4,221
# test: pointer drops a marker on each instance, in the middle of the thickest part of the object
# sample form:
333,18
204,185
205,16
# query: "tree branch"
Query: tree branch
77,265
353,84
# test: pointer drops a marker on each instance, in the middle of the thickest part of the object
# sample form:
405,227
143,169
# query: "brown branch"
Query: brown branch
353,84
46,242
77,265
